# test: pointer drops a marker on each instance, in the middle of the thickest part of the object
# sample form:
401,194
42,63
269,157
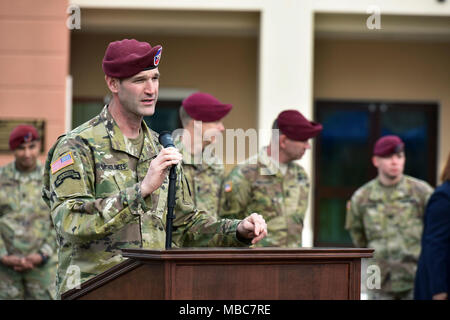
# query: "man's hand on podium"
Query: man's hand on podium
253,227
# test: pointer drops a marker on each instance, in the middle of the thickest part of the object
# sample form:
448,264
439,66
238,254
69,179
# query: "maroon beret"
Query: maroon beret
204,107
388,145
20,134
125,58
296,127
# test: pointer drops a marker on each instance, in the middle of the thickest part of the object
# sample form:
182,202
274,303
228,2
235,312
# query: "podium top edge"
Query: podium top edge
248,252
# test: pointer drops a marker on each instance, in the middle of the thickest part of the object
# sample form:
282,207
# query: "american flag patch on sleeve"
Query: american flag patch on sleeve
62,162
228,186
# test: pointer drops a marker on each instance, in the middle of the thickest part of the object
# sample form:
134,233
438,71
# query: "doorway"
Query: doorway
344,149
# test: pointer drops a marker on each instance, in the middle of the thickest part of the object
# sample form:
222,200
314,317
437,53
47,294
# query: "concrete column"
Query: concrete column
285,72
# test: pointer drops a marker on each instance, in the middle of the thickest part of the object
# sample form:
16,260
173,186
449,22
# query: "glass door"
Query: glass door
343,154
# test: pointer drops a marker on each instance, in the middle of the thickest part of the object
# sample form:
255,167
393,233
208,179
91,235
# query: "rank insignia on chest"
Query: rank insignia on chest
228,186
62,162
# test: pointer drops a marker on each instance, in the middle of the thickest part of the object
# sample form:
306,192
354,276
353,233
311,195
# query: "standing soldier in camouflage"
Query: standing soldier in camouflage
201,115
106,181
386,214
27,237
272,183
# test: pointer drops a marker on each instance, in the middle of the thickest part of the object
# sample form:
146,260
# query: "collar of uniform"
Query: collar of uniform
396,191
120,143
151,146
189,159
10,172
272,166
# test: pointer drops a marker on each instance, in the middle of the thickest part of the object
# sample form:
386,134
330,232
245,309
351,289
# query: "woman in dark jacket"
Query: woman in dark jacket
433,270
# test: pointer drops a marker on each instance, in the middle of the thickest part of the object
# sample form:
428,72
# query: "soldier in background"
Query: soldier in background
202,113
27,237
386,214
106,181
272,183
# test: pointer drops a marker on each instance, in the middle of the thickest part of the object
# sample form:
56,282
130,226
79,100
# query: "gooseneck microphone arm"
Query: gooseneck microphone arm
165,139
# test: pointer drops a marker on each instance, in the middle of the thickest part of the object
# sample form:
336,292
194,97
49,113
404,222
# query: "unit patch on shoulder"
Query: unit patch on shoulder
62,162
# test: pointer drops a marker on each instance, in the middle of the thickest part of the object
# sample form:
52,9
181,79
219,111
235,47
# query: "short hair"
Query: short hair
446,172
184,117
275,124
275,127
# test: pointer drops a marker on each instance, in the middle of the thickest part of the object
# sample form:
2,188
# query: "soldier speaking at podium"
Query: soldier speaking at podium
106,180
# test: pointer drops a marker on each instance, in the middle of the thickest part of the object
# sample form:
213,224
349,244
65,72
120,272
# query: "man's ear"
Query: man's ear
375,161
282,140
112,83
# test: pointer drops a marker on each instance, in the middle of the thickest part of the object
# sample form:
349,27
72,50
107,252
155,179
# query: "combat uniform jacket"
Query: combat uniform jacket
390,220
258,186
25,222
97,206
26,228
204,180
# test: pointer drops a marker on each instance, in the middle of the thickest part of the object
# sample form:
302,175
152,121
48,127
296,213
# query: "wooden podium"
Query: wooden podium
229,274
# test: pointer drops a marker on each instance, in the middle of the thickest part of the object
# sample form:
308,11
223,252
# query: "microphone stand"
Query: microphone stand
170,205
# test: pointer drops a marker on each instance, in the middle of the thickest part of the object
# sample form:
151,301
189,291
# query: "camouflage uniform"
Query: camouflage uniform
204,181
97,206
25,228
257,186
389,219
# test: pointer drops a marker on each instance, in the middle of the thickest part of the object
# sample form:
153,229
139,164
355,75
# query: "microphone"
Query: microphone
165,138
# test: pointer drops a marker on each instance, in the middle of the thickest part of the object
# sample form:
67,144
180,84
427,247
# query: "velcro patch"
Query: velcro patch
228,186
62,162
67,174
